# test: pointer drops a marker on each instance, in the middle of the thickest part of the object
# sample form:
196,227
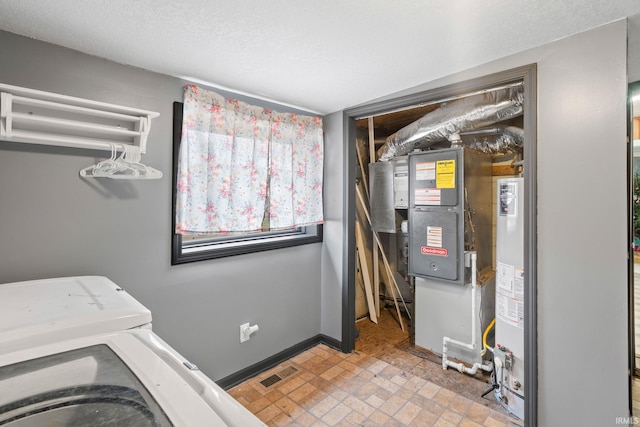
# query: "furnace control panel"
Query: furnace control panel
442,184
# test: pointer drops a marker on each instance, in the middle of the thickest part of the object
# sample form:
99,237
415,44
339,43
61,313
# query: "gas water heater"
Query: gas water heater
509,328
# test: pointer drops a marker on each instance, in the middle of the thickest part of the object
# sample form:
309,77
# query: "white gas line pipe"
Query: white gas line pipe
472,346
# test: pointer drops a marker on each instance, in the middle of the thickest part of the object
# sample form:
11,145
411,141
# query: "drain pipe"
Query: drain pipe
446,341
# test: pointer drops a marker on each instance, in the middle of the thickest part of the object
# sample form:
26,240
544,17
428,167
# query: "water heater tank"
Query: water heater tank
509,328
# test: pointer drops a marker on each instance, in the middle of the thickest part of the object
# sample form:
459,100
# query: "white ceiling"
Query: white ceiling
319,55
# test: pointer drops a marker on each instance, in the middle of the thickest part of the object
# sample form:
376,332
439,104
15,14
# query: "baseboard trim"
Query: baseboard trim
268,363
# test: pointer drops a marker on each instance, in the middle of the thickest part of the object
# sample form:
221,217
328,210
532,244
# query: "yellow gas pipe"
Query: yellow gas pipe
484,337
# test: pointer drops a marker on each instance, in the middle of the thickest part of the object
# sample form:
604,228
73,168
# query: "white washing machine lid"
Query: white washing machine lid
41,311
127,378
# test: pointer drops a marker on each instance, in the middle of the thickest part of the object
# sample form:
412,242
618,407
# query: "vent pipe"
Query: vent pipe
496,140
459,116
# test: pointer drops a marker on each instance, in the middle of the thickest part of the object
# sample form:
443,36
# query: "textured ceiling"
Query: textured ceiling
319,55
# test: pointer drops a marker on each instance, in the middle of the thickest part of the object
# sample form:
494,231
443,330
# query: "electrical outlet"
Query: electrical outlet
245,332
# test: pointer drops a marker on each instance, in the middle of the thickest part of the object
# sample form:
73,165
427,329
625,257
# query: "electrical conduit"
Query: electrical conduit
446,341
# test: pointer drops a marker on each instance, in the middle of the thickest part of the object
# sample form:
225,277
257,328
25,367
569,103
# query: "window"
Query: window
266,229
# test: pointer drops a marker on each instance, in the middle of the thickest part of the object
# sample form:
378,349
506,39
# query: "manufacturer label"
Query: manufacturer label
434,237
425,171
427,250
428,196
508,199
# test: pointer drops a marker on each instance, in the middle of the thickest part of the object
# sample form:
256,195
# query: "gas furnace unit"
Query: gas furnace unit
449,212
449,215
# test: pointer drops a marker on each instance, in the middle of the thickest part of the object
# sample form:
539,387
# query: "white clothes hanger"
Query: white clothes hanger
126,166
101,168
131,168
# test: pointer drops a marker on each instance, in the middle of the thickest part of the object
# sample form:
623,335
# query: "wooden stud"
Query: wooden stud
364,267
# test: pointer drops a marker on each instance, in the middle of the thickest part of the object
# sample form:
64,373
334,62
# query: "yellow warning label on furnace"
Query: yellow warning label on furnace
446,173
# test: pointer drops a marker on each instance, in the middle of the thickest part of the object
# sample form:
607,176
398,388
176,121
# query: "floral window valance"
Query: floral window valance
243,168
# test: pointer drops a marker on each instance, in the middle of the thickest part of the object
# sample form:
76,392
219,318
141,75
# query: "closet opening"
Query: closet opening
442,277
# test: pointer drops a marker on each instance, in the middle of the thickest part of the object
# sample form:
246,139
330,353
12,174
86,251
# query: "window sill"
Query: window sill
203,250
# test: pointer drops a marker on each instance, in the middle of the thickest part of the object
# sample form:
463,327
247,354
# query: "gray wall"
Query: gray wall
333,256
582,228
54,223
582,222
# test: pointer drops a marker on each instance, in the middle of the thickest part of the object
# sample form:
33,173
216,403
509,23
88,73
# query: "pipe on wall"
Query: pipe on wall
446,341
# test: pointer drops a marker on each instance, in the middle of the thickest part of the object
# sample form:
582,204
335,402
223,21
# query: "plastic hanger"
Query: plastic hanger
126,166
101,168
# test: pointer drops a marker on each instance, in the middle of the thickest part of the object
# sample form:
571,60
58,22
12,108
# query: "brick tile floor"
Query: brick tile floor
383,383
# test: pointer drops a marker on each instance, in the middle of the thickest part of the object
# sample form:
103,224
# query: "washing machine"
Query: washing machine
37,312
80,351
125,378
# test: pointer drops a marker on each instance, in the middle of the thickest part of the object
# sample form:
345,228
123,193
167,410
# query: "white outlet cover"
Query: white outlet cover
245,334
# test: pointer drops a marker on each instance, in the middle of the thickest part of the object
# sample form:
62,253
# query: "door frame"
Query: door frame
634,370
527,74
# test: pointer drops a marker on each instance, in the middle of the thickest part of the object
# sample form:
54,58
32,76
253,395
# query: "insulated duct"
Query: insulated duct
497,140
459,116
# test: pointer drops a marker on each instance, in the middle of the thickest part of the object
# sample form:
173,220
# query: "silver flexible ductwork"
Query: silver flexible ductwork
459,116
496,140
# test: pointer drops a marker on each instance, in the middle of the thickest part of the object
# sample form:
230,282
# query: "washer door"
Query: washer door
83,387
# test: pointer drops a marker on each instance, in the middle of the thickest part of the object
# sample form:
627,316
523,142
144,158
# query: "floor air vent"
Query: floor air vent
273,379
269,381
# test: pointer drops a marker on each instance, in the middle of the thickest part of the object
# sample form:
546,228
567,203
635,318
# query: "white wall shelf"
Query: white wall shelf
38,117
